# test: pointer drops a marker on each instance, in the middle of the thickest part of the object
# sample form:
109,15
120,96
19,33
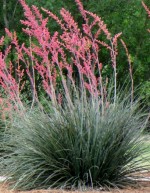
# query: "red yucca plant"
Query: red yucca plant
59,56
81,142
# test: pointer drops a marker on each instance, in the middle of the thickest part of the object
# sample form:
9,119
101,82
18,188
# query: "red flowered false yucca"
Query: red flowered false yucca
69,59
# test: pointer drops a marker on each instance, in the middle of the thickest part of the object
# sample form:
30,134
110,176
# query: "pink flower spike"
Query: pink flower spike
1,40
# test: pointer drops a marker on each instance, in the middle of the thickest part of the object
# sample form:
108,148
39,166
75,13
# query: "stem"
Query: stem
6,22
115,85
32,76
130,70
113,57
100,74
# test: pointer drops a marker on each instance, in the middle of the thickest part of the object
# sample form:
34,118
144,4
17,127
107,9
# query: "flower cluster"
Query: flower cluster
64,61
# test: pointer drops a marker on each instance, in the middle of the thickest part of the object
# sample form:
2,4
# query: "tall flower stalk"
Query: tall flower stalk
70,56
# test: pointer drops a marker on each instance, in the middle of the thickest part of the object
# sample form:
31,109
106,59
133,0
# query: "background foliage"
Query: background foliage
126,16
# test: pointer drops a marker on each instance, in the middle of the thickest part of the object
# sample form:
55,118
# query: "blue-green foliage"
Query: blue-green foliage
74,147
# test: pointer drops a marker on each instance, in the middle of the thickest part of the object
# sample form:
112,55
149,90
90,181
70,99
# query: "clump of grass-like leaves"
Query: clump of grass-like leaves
75,146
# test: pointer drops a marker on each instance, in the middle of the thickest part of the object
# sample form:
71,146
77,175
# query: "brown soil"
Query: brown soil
144,187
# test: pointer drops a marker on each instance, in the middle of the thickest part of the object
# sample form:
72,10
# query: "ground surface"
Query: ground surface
144,187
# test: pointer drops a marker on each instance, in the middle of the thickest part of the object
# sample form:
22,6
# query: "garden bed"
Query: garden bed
143,187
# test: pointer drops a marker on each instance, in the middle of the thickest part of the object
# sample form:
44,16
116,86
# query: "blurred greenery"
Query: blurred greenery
126,16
